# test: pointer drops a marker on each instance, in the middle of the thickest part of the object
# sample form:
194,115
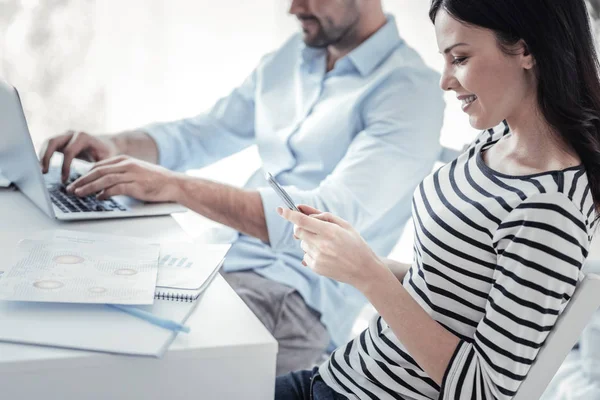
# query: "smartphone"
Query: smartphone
282,193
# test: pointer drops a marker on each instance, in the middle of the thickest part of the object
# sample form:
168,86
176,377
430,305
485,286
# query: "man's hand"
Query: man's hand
77,144
123,175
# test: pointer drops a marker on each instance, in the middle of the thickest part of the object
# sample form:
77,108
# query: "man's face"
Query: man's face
325,22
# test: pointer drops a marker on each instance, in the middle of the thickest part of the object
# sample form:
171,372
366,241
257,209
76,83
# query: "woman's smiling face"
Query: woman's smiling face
490,84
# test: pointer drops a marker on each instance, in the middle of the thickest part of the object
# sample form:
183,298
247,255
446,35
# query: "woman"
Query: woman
501,233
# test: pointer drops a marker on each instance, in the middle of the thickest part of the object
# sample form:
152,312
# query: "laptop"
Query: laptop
19,164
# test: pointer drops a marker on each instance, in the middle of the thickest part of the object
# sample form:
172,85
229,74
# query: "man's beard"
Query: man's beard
324,37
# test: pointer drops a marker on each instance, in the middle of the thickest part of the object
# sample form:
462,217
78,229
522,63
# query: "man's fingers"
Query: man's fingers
51,146
103,183
110,161
126,189
78,142
97,173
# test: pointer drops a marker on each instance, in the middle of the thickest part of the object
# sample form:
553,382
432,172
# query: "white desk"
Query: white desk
228,355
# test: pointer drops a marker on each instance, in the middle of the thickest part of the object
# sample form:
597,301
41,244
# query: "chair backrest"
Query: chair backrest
447,154
562,338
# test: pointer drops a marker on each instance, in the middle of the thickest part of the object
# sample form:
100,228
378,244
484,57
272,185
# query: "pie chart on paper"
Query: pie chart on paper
48,284
68,259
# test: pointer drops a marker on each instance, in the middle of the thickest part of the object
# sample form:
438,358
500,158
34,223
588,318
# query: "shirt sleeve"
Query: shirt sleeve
383,165
208,137
541,246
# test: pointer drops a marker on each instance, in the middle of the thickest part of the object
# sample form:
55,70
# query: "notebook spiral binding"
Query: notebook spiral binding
173,297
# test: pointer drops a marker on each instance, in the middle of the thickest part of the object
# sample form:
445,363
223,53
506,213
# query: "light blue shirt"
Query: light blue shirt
355,141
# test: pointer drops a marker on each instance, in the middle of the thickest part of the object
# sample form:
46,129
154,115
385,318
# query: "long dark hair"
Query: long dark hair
558,35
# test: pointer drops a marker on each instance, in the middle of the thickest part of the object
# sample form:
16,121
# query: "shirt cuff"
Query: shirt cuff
159,132
454,366
280,230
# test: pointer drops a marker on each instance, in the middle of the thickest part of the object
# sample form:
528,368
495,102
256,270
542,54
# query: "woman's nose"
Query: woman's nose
448,80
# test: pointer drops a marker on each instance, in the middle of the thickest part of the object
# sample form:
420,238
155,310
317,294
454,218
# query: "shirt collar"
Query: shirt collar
376,48
310,54
369,54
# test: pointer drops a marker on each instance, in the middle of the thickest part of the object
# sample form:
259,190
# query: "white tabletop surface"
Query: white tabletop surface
225,337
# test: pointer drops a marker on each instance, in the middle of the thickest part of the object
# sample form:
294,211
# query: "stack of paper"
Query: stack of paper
93,327
44,290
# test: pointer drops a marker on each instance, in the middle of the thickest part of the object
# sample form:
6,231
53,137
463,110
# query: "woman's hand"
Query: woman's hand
333,248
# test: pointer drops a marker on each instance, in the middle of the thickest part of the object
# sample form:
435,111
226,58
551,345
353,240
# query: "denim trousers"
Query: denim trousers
304,385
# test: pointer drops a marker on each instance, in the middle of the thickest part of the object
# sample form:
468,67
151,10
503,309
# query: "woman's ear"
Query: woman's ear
527,60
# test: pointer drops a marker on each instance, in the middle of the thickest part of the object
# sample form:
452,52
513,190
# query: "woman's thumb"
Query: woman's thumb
308,210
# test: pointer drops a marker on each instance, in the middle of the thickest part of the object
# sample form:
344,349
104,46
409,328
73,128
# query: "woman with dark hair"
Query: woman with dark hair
501,232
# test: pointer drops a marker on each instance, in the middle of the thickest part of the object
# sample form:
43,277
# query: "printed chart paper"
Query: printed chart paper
188,265
78,267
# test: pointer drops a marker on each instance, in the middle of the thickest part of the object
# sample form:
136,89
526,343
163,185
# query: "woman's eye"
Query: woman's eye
459,60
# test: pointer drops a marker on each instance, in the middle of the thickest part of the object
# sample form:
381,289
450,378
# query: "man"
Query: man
346,116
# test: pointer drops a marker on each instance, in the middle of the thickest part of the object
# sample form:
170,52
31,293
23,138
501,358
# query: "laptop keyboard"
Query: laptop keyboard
69,203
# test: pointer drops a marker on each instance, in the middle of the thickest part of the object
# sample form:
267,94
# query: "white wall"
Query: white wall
168,59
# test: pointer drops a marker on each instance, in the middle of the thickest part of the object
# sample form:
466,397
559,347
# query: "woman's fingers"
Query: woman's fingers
331,219
300,233
308,210
308,261
307,247
323,216
303,221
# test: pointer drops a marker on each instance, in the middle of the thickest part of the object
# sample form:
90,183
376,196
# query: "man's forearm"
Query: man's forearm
238,208
136,144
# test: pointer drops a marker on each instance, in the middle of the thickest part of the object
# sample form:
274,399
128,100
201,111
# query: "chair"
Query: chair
448,154
562,338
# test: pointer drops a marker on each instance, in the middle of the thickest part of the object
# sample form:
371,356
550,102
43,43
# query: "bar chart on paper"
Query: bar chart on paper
187,265
173,261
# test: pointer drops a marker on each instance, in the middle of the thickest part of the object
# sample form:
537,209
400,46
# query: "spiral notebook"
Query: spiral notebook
186,269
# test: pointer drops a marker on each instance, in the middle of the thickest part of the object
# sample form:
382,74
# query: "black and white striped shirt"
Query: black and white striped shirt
496,259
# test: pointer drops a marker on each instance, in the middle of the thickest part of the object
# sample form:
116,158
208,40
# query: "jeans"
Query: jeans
304,385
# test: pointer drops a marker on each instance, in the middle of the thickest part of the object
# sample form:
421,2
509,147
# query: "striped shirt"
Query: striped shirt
496,258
